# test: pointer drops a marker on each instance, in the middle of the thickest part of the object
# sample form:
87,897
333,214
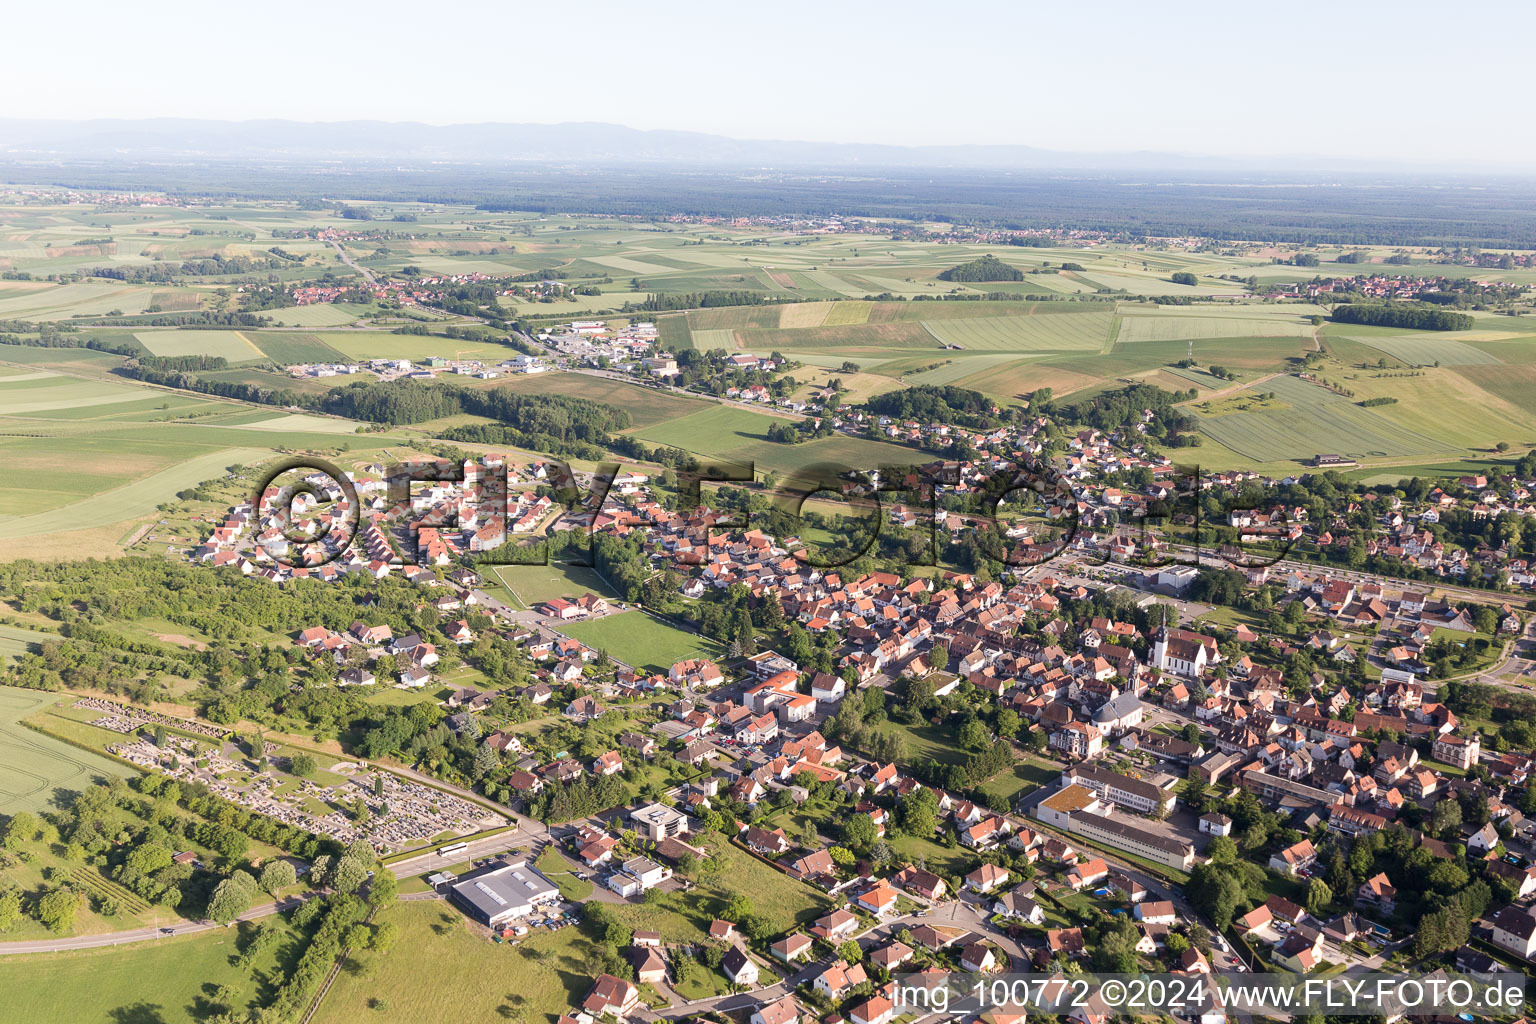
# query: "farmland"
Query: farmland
822,300
236,346
1080,332
34,767
1310,419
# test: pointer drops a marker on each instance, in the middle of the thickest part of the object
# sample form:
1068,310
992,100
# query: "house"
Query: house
649,966
891,955
1294,859
1484,840
781,1011
1019,906
1156,912
1378,892
874,1010
1090,872
658,821
921,883
816,864
762,841
792,947
1514,929
978,958
722,931
986,878
740,968
839,978
879,899
608,764
1215,824
611,997
835,927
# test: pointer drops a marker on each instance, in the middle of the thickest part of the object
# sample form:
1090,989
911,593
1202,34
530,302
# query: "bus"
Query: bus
451,849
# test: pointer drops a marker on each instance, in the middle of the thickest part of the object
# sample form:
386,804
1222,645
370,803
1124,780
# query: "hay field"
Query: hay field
1134,329
236,346
1084,332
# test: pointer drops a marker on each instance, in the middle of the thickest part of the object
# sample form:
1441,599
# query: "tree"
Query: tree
1008,723
57,909
1445,817
23,828
850,951
10,908
973,735
385,888
277,874
1319,895
918,812
230,899
1215,890
739,909
302,765
349,875
1184,277
859,833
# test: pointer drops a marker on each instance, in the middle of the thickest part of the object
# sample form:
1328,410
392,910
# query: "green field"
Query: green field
33,767
324,314
440,971
1316,420
161,982
1082,332
646,406
710,431
236,346
288,349
530,584
1135,329
1428,349
639,639
129,500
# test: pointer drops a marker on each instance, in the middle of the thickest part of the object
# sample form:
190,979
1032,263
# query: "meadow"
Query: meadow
162,982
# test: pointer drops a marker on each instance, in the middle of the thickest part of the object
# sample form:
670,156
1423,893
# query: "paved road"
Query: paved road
143,934
367,274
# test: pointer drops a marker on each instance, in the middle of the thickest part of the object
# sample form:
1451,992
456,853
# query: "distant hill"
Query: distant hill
983,268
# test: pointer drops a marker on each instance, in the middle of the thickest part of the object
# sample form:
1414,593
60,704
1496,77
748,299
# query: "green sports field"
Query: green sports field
640,639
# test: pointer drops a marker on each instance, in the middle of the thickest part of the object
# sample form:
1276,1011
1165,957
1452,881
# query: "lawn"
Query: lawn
639,639
558,870
159,982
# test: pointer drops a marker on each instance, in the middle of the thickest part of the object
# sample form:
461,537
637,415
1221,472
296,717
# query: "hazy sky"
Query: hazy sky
1385,80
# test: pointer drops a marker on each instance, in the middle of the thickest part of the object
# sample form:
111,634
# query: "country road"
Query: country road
341,252
144,934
